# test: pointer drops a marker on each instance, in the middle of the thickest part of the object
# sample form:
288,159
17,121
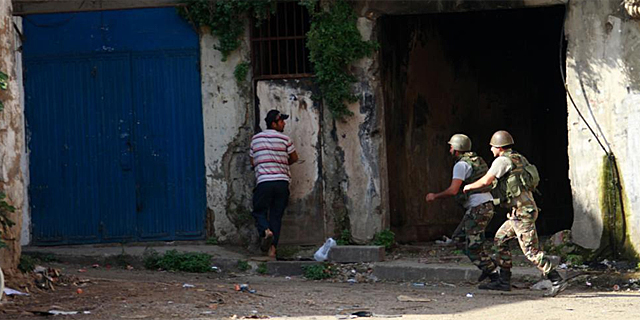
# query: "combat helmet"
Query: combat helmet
501,138
460,142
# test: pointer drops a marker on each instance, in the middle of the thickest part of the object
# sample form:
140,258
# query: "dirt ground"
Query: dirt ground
100,293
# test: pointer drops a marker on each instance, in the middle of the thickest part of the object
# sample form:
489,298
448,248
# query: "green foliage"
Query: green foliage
241,71
334,43
5,222
224,18
212,241
243,265
173,260
4,84
27,263
345,238
4,81
262,268
615,239
384,238
575,259
318,271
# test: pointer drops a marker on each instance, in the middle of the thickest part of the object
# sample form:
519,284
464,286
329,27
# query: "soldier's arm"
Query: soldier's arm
486,180
449,192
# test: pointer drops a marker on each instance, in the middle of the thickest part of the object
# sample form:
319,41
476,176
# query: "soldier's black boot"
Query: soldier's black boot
558,284
499,281
486,272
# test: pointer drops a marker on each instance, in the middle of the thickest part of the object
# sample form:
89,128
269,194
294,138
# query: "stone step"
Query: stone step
354,254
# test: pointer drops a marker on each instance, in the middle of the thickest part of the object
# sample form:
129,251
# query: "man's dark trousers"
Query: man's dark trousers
270,198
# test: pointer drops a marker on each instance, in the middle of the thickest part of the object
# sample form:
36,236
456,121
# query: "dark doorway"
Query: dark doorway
473,73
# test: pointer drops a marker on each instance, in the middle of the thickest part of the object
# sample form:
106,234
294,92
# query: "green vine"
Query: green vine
241,71
225,19
4,84
334,43
5,208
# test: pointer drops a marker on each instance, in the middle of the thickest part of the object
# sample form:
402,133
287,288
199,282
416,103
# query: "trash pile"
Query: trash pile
47,278
354,273
607,283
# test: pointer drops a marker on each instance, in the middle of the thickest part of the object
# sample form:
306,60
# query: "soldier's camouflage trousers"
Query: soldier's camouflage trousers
475,222
521,225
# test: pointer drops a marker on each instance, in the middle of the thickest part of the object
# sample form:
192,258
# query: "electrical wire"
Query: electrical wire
610,156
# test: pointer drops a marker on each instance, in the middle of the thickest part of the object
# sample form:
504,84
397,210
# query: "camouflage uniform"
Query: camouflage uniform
521,224
476,218
475,222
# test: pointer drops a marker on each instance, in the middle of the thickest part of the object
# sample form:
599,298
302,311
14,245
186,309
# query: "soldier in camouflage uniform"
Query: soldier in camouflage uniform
468,168
516,179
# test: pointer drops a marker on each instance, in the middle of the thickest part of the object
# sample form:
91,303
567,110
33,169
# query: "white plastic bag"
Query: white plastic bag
323,253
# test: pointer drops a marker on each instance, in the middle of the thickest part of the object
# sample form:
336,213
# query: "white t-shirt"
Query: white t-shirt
462,171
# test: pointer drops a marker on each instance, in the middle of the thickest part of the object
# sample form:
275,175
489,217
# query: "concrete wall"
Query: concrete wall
11,139
603,75
361,137
303,222
228,126
341,184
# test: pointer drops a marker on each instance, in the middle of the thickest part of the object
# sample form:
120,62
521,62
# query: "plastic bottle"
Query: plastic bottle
323,253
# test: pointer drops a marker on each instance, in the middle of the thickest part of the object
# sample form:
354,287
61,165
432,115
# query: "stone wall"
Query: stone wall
603,75
11,139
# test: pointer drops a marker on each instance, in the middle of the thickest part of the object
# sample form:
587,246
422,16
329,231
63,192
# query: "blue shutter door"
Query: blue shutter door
114,119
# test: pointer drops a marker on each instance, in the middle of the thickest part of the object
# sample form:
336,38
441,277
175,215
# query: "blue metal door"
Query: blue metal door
114,117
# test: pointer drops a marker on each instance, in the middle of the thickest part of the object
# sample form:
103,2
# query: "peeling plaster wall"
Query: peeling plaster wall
603,75
344,172
303,222
228,127
11,139
25,234
361,139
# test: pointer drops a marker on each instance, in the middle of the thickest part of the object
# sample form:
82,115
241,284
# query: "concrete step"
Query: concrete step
354,254
227,261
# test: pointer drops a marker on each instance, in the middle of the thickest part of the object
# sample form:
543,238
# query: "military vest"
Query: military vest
523,176
478,169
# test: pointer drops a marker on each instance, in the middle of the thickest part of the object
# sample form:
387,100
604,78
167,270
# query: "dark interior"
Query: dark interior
472,73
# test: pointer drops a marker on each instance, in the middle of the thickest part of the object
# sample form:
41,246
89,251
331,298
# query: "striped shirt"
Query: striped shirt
270,151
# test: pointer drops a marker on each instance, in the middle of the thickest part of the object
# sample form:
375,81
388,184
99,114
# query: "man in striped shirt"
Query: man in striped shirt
271,154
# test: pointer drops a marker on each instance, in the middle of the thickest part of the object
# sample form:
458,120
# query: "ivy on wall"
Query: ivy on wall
5,208
225,19
334,41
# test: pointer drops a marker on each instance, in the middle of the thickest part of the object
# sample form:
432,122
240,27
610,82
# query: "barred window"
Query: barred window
278,44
